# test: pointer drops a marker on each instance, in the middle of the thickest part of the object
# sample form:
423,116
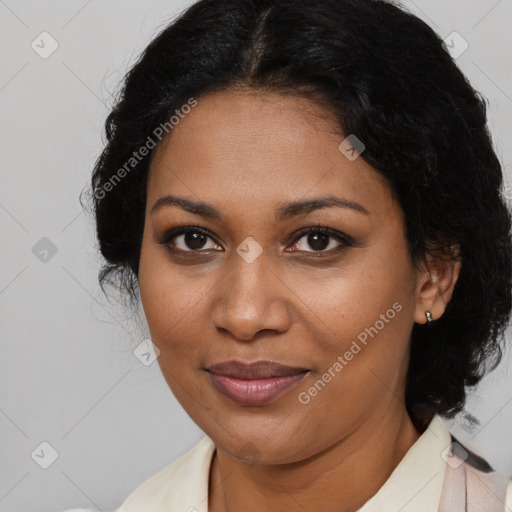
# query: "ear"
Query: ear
435,283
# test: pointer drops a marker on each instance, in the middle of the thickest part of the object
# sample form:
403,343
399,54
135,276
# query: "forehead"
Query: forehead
262,147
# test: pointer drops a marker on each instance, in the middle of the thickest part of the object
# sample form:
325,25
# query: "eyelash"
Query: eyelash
344,240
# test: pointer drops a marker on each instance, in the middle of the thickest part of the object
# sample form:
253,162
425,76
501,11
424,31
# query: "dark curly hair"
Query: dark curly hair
389,79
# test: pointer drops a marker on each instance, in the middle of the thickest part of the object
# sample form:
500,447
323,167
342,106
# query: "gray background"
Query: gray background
68,375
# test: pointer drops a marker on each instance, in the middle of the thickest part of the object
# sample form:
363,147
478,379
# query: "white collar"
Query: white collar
415,485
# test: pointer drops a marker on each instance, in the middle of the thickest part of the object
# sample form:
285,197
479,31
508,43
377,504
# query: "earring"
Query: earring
428,314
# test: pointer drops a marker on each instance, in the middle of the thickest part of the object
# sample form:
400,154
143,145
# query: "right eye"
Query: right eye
188,239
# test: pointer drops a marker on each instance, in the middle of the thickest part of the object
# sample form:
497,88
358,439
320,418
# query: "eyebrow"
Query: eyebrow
284,212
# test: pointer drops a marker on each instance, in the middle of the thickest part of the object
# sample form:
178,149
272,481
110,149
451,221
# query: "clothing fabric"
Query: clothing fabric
437,474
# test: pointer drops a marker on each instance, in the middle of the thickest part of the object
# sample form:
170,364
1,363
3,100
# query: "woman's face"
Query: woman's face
248,283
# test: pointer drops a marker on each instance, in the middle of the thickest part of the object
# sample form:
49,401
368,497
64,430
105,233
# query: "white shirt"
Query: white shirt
415,485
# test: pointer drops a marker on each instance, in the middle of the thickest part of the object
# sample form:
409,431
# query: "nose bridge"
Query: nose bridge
251,298
249,283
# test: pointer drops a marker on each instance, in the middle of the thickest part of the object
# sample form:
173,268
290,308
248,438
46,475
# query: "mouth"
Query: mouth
253,384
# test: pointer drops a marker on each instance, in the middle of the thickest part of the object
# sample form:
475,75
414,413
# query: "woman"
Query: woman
306,200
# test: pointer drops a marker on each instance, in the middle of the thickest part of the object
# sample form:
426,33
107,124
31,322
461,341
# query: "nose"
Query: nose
251,298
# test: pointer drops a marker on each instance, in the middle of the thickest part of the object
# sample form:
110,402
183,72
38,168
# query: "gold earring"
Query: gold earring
428,314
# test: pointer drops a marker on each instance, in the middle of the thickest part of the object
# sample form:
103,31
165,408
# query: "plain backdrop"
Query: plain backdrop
73,395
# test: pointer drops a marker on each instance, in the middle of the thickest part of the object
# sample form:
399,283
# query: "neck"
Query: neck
341,478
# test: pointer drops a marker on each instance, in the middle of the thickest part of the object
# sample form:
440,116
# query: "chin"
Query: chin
256,448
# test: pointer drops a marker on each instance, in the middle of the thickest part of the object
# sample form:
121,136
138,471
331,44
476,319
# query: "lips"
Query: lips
256,383
256,370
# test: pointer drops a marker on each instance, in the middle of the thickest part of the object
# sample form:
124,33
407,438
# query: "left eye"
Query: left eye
320,239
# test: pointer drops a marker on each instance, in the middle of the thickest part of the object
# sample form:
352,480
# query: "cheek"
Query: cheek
366,314
175,306
171,306
170,298
370,294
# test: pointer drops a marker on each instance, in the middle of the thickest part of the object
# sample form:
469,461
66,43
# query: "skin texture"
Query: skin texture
246,154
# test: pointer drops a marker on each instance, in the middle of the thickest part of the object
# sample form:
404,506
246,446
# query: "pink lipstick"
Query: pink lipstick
254,383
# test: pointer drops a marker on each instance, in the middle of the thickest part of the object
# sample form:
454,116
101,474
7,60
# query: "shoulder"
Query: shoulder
482,480
181,481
